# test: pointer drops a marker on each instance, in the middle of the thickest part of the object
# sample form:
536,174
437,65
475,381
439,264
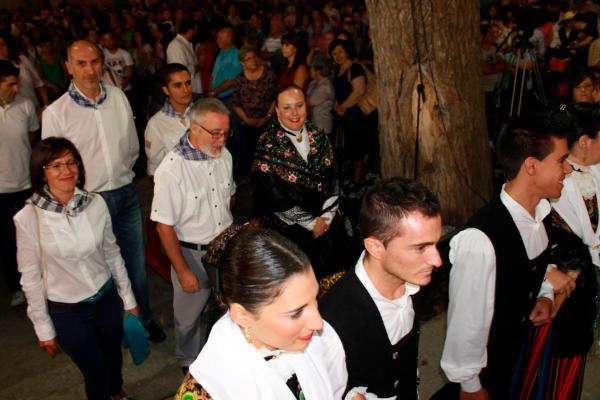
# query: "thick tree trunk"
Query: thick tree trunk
453,157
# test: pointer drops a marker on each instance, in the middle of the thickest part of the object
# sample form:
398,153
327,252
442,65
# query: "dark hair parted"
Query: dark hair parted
525,136
44,152
255,266
7,69
344,44
577,120
286,88
170,69
387,203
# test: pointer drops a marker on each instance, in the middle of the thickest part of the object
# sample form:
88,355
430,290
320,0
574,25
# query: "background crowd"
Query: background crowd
294,70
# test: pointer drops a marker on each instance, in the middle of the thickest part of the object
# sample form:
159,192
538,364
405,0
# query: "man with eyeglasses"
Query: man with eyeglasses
98,119
193,195
18,125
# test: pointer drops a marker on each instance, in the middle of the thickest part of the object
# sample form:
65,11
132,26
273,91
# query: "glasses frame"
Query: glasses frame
58,165
218,135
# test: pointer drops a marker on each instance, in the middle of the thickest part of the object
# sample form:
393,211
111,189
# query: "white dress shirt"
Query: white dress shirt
162,134
105,136
194,196
180,50
17,119
79,253
472,291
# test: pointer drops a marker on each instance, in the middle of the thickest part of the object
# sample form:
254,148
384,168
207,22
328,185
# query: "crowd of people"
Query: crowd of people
189,94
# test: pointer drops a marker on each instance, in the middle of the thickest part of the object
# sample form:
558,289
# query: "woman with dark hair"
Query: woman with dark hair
582,86
575,236
72,272
272,343
294,183
29,78
253,99
350,83
295,70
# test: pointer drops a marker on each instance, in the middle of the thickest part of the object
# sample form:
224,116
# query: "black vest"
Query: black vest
518,281
387,370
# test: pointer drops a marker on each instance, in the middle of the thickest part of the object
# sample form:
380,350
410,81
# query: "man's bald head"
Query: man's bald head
85,63
81,45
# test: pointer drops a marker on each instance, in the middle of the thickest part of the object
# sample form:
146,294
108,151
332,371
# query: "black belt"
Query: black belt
193,246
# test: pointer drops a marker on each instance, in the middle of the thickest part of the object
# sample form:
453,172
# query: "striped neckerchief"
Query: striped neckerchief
84,101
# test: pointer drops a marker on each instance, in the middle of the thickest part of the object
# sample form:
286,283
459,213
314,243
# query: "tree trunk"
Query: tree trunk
452,153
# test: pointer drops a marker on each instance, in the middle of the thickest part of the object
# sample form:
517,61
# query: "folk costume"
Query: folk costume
294,182
231,368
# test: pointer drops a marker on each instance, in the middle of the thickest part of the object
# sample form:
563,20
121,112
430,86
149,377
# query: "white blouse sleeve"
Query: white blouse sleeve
28,259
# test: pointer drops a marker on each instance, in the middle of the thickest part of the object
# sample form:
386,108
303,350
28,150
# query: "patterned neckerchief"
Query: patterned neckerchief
185,150
275,154
170,111
81,199
84,101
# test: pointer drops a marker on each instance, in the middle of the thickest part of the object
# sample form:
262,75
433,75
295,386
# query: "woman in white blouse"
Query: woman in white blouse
575,236
272,343
72,272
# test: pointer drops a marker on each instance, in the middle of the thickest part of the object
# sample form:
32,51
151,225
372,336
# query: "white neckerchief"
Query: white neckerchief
228,367
584,180
303,147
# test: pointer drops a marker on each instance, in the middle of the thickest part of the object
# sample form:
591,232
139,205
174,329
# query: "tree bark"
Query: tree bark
452,153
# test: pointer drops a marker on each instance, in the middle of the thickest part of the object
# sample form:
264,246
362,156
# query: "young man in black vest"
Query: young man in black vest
497,285
375,307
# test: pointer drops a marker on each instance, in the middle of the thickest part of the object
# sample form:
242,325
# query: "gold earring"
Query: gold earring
247,335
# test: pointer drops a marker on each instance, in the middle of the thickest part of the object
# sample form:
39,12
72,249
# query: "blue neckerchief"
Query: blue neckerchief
185,150
170,111
84,101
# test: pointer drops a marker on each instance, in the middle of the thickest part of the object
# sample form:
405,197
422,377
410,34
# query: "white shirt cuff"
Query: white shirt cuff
471,385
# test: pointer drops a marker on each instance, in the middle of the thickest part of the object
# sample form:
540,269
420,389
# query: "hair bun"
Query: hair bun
216,246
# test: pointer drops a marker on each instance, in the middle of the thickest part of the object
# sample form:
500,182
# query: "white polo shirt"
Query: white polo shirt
17,119
105,136
162,134
193,196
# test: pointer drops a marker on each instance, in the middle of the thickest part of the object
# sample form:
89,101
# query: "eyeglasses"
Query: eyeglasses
585,87
216,134
58,165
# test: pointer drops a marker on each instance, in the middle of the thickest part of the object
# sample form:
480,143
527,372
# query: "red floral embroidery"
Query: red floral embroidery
280,134
327,162
292,178
264,167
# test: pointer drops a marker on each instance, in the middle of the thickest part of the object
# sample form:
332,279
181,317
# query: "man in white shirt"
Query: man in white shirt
497,288
167,126
375,308
18,126
180,50
97,118
193,189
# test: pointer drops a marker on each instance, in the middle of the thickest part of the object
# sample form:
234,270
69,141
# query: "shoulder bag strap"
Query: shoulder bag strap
41,253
